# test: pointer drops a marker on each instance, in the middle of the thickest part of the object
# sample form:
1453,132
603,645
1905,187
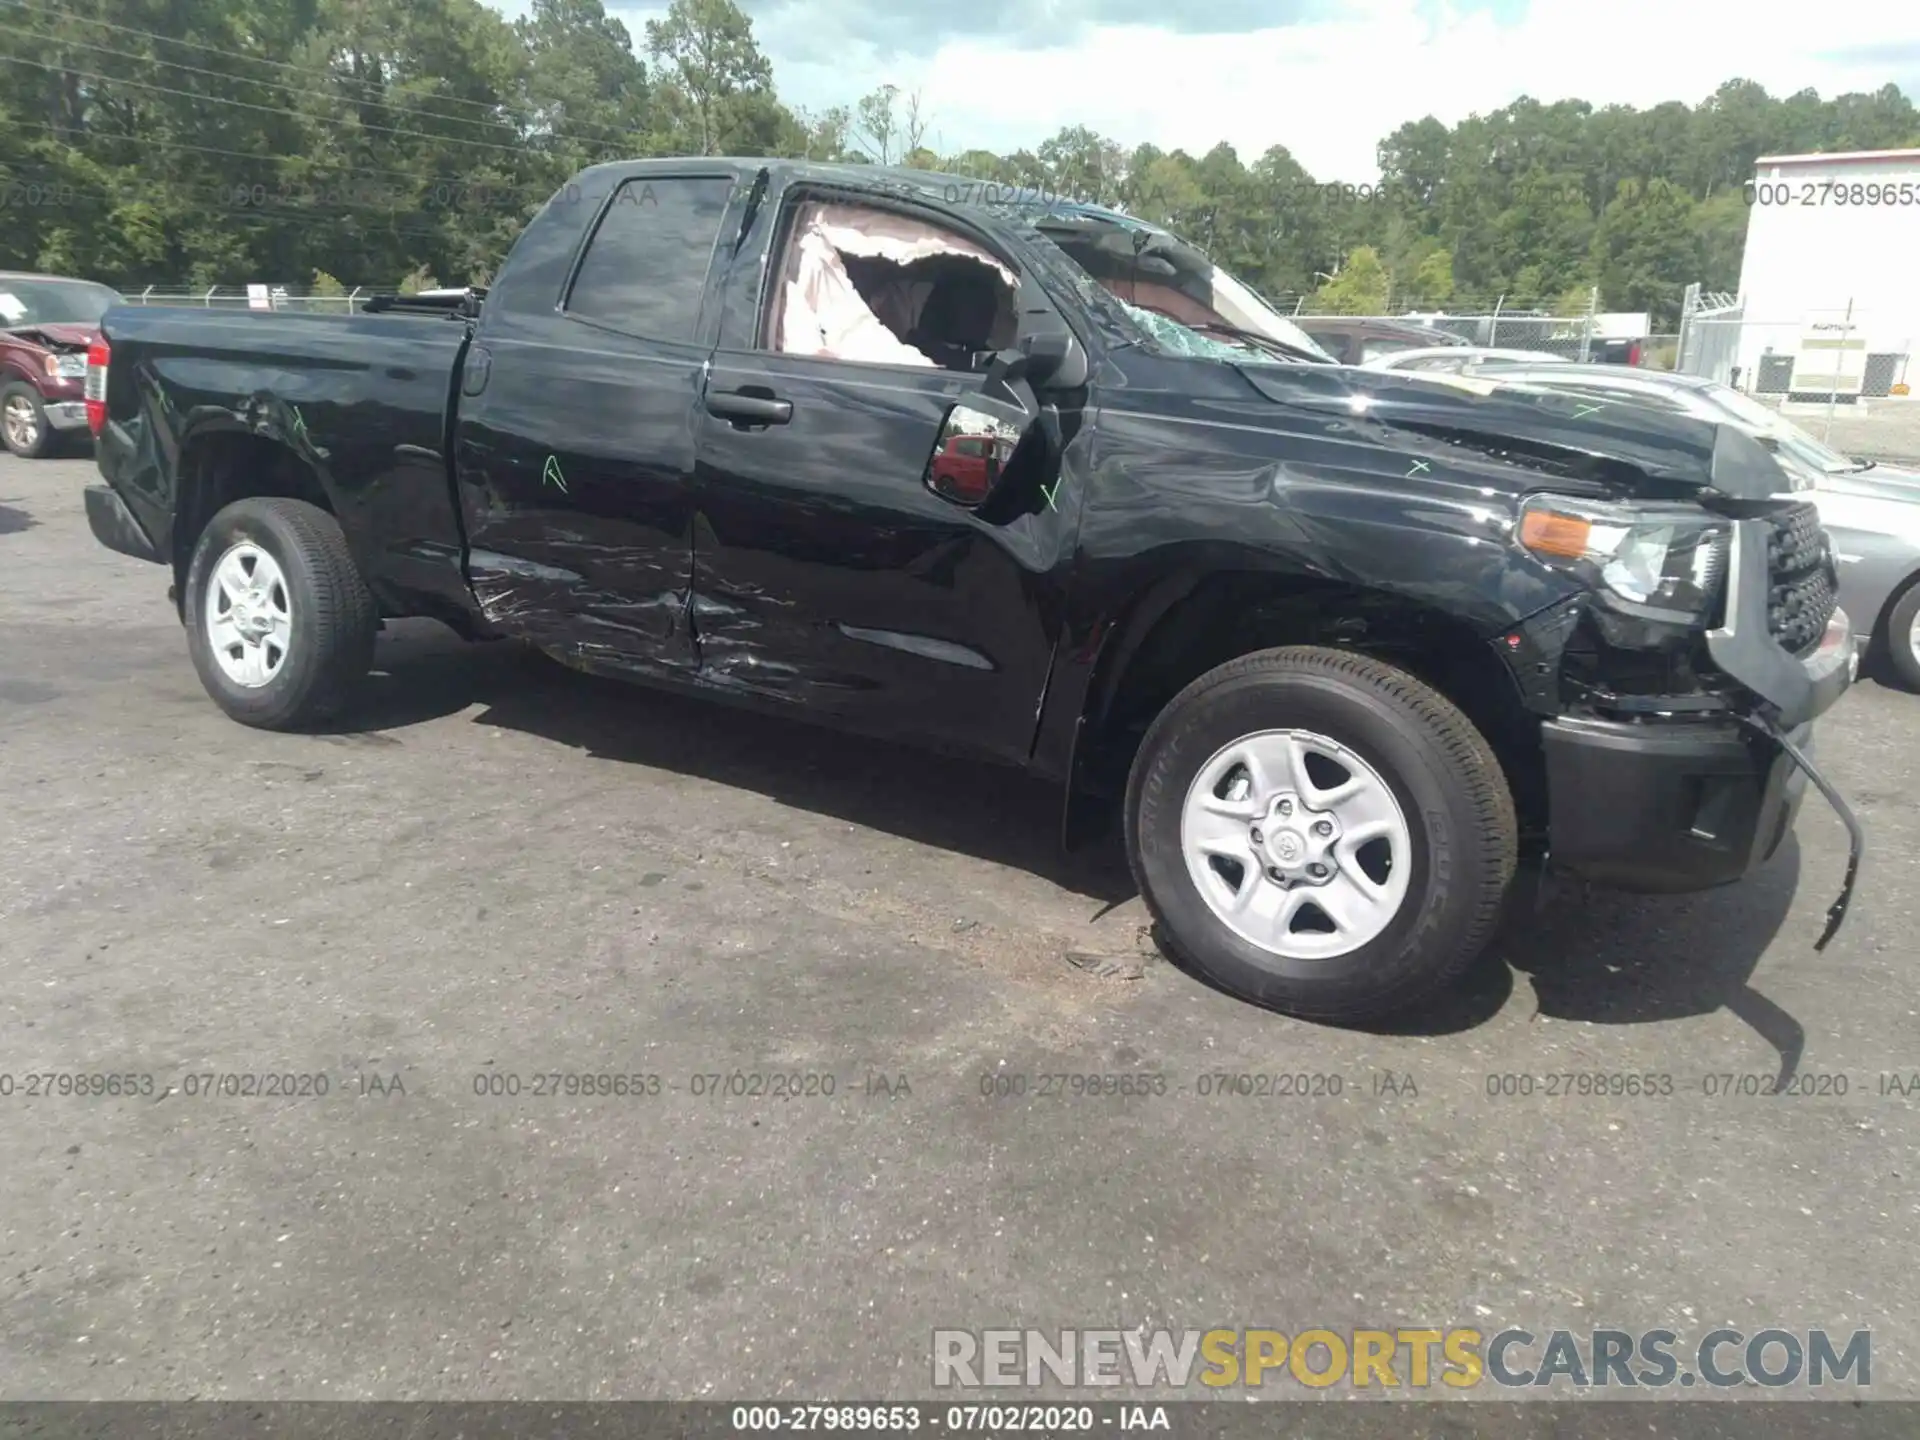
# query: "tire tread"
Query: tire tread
344,615
1906,665
1464,749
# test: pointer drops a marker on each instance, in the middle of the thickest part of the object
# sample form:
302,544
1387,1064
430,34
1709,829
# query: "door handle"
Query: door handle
747,408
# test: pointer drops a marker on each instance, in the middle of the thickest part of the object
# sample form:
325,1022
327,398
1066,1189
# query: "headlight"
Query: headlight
1659,562
67,367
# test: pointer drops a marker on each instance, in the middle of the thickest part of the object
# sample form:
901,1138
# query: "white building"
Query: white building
1830,280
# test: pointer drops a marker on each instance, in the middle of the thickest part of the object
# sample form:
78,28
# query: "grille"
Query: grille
1800,578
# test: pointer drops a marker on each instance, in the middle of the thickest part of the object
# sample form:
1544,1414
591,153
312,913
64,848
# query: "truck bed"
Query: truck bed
363,400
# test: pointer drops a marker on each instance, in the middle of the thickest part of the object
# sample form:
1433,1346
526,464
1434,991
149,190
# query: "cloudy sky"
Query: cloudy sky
1326,78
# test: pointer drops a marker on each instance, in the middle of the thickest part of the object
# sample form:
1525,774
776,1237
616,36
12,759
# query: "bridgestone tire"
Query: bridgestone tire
333,615
1450,788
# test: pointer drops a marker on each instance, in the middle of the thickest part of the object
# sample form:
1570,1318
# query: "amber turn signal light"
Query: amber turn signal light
1550,534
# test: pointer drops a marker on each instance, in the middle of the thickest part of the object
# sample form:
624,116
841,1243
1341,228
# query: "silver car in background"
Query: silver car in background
1460,359
1871,510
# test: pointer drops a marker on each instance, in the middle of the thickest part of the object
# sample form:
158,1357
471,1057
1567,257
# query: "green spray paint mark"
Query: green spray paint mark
551,474
1419,468
299,422
1582,411
1050,493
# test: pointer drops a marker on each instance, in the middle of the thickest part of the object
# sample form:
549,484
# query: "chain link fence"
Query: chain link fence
256,297
1552,327
1834,354
1837,370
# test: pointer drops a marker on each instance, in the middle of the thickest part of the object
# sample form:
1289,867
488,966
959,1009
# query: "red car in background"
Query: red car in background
966,466
46,324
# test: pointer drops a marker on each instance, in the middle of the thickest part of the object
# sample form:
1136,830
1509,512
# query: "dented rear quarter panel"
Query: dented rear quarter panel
361,400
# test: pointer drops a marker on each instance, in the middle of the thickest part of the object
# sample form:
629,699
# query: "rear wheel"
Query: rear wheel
23,421
1903,637
280,623
1321,833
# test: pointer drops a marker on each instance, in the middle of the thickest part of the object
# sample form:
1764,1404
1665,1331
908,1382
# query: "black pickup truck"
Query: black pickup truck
989,472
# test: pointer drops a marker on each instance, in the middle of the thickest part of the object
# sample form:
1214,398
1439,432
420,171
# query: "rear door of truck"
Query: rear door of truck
574,438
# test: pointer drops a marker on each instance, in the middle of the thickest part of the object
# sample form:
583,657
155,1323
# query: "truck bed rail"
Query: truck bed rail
461,304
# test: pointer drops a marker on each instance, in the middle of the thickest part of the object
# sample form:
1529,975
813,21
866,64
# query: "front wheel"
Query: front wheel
1320,833
279,620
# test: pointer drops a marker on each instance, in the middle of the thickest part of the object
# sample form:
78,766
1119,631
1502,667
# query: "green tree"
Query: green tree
890,124
826,134
586,91
1084,166
226,141
1645,244
1722,225
1432,281
1360,287
711,76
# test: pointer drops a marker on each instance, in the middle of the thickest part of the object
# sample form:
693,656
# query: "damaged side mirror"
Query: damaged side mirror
1055,358
969,460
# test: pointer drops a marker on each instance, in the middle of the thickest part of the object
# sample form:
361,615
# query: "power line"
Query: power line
262,84
238,196
146,142
609,131
264,217
65,195
248,105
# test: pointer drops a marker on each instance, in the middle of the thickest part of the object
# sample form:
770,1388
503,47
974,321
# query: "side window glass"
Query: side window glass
876,287
645,269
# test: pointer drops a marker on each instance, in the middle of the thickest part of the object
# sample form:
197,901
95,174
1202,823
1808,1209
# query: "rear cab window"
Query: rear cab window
646,266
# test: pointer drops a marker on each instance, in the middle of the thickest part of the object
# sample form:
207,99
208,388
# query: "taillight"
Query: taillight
99,353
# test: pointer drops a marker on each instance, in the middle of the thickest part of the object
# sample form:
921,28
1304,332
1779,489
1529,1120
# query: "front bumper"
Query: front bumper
1670,803
66,414
1667,806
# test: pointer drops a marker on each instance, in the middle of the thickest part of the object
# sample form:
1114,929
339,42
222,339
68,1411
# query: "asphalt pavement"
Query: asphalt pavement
838,963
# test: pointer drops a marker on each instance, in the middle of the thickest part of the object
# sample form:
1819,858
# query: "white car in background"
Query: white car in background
1460,359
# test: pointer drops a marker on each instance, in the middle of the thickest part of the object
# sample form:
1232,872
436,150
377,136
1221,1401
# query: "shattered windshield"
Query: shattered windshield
1171,335
1171,294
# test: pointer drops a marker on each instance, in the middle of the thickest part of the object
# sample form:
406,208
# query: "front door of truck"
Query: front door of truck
575,443
843,561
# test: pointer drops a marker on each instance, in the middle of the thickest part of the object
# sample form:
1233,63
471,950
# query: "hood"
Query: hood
57,337
1564,436
1882,482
